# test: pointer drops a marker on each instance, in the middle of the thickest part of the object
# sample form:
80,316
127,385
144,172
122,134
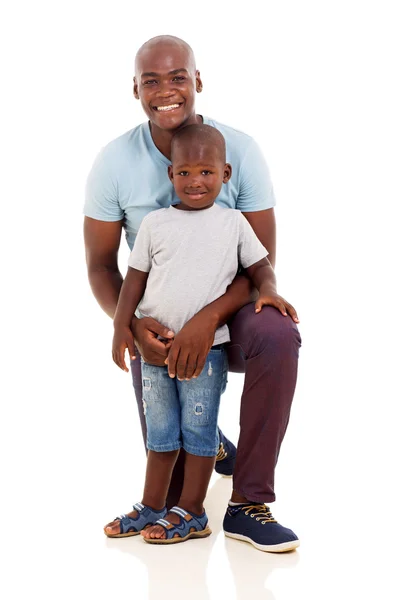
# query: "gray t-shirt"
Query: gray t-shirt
191,257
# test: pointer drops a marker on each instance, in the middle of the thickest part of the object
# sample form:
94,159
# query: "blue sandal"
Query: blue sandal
188,523
129,526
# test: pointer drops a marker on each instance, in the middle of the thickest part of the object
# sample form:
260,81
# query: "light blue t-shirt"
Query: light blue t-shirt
129,178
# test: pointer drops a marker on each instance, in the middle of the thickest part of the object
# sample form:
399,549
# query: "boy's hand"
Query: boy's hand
146,332
123,340
280,303
189,349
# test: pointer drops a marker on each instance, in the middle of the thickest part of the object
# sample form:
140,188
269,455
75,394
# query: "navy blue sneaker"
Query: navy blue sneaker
255,524
226,456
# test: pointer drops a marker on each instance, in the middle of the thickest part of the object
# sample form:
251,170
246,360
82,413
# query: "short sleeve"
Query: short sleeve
101,194
140,257
255,186
250,249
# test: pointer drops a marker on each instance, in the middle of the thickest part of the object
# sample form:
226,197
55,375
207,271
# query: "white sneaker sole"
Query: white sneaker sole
285,547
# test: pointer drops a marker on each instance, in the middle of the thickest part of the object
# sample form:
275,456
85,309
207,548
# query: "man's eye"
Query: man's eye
149,81
179,78
183,173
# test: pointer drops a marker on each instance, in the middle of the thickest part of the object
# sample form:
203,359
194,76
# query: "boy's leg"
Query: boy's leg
176,483
162,414
175,488
265,346
199,400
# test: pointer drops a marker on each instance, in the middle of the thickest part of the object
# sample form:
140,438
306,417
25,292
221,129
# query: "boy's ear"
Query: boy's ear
135,89
227,173
171,173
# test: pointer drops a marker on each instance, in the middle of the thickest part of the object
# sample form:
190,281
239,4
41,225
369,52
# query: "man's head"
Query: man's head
166,81
199,165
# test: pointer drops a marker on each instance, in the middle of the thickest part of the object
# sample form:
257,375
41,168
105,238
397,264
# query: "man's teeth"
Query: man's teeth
170,107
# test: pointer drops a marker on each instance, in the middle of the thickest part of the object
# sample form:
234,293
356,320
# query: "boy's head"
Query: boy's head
199,166
166,81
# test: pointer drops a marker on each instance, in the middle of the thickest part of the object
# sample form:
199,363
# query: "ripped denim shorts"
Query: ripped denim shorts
184,413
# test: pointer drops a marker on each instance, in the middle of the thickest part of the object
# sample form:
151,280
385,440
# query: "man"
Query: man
130,179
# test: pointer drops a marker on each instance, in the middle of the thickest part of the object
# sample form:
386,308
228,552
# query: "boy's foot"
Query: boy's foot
226,456
132,523
157,531
178,525
255,524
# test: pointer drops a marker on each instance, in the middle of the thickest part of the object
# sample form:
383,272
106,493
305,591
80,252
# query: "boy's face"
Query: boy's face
166,83
197,173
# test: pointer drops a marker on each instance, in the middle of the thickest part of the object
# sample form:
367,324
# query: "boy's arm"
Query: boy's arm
263,277
132,291
191,345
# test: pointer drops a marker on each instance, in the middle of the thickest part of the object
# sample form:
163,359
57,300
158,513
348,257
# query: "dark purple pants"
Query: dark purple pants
265,347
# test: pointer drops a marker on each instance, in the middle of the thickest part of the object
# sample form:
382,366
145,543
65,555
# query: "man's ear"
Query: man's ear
199,83
135,89
227,173
171,173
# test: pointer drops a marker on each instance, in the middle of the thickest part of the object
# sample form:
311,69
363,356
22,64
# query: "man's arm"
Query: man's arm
102,240
264,226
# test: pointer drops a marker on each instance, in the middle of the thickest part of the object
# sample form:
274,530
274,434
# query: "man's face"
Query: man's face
166,82
198,173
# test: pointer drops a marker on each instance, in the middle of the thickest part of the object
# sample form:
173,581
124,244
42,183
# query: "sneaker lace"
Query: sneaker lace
262,513
222,453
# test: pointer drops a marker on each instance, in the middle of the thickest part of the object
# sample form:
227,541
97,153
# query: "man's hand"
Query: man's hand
280,303
122,341
153,350
189,349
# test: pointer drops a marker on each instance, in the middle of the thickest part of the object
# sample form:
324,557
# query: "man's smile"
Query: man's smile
168,107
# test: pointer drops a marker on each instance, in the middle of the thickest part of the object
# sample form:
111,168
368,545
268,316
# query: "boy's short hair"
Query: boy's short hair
202,135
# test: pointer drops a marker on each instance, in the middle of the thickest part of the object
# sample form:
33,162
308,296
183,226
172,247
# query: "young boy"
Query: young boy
184,258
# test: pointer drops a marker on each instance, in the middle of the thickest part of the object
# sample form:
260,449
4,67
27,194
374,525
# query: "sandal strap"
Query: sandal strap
146,516
187,521
181,512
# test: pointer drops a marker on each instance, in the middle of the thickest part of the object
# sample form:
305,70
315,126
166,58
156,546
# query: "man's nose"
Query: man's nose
166,89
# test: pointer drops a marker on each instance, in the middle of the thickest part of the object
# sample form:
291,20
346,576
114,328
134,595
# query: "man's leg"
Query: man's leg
266,347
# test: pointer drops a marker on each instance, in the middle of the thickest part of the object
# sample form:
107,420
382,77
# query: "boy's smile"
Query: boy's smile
198,173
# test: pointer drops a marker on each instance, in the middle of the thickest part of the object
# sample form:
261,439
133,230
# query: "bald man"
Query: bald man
128,180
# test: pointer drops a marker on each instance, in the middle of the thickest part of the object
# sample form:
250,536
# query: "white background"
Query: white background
317,84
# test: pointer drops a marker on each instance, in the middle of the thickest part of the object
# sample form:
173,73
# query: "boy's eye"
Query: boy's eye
183,173
206,172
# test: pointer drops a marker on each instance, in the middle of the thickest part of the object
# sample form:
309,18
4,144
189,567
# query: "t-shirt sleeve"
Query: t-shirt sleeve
140,257
101,194
255,186
250,249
